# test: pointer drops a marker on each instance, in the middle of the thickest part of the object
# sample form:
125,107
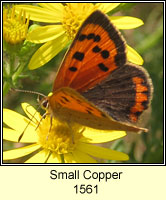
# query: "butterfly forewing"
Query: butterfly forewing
97,50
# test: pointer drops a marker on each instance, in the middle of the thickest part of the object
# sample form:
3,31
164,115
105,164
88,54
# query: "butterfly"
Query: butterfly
95,85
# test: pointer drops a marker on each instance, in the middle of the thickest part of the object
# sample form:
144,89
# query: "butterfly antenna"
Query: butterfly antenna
32,117
28,91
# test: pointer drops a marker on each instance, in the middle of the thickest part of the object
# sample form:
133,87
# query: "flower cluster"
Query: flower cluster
15,27
61,144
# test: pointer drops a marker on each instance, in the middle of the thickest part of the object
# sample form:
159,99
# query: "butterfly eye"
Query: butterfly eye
44,104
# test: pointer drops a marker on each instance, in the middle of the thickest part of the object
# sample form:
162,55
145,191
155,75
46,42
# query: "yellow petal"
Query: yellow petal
10,134
101,152
31,112
54,158
39,157
106,7
47,51
68,158
20,152
13,135
126,22
39,14
45,33
78,8
15,120
100,136
82,157
133,56
20,124
55,7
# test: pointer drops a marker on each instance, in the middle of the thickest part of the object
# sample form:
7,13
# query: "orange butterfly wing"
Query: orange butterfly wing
69,106
96,57
97,50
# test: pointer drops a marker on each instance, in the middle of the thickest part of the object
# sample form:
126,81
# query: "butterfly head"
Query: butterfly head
44,103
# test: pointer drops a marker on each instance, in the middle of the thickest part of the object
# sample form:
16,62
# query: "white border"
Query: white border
60,164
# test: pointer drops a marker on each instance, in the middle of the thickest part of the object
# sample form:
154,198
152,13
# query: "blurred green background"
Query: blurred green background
148,41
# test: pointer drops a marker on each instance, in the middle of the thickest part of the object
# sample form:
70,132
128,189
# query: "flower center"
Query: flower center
14,26
58,137
74,15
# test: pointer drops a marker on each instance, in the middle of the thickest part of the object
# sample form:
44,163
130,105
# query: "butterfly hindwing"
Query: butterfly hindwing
124,95
97,50
69,106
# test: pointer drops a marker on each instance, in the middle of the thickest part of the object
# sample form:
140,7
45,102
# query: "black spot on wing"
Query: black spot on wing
90,36
97,38
78,101
89,112
99,18
103,67
96,49
73,69
65,99
105,54
89,108
82,37
78,55
62,101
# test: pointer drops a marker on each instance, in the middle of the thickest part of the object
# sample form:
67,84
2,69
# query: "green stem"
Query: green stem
62,158
12,60
18,72
6,87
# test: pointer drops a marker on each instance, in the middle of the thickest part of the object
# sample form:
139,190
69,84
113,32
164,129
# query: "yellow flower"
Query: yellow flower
15,26
58,143
65,20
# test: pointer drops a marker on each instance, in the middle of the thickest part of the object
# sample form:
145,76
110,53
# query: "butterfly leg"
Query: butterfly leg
72,126
43,116
49,128
71,130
